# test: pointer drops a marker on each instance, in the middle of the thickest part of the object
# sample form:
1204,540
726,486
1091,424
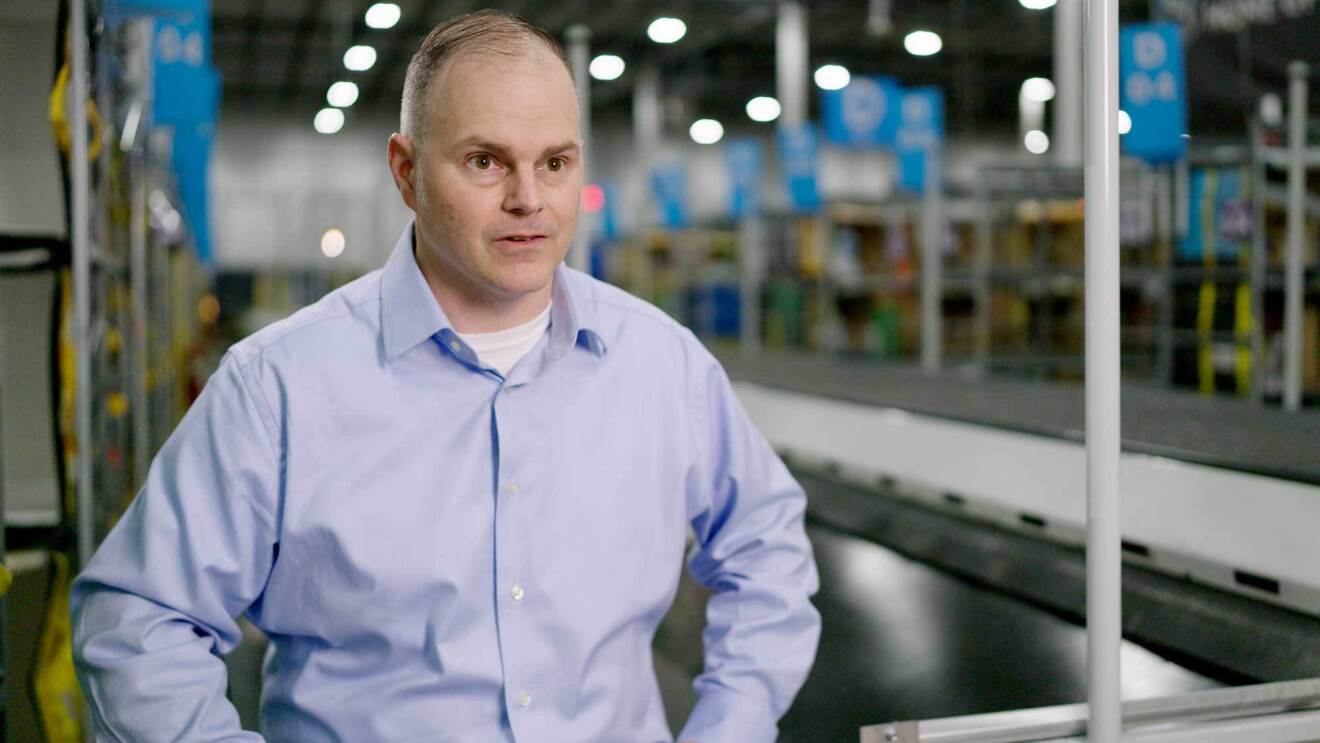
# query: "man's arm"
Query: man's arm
752,550
156,605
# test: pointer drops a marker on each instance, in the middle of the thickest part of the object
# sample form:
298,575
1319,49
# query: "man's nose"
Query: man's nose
524,194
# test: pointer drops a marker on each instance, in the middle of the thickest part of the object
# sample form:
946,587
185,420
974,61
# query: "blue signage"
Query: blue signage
865,113
799,159
119,8
921,131
669,185
1153,90
192,165
186,86
743,158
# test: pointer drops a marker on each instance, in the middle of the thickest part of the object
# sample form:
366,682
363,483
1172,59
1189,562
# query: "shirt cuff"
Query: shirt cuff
724,716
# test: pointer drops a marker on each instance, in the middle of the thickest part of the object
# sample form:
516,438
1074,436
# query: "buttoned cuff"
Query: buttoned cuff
723,716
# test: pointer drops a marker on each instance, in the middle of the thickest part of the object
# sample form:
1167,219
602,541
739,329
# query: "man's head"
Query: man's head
490,156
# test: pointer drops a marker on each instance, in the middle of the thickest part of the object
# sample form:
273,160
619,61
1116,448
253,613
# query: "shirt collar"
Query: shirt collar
410,314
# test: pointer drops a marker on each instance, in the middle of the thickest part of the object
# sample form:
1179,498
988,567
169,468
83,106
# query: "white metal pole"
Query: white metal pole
138,279
1103,557
579,53
1067,139
932,270
751,249
82,275
1292,288
791,63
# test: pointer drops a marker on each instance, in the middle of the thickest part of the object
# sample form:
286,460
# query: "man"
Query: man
455,493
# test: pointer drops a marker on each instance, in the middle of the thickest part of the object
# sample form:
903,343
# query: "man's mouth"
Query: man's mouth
522,239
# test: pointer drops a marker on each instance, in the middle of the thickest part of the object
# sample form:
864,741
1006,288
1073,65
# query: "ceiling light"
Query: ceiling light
832,77
329,120
1037,142
606,67
763,108
359,58
383,15
332,243
1038,89
666,30
923,43
342,94
706,131
1124,122
1038,4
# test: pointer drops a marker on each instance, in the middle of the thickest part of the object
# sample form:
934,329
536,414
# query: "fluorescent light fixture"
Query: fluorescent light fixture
706,131
1038,4
332,243
383,15
359,58
666,30
1038,89
342,94
329,120
1124,122
832,77
763,108
1037,142
923,43
606,67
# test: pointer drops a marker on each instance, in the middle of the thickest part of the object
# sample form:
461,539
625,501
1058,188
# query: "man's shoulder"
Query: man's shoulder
612,306
330,324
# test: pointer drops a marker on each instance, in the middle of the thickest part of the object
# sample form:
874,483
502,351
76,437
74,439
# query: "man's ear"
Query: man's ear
403,166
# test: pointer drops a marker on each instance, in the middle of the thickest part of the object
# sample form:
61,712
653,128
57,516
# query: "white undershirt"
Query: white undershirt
503,349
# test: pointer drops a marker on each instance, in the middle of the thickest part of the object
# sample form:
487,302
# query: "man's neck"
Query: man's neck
472,308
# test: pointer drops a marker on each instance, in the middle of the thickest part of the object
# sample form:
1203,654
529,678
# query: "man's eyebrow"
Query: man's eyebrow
504,152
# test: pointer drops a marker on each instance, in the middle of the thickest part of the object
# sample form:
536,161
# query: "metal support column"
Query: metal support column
82,276
751,273
1103,556
1292,288
579,53
981,275
1067,139
932,264
791,63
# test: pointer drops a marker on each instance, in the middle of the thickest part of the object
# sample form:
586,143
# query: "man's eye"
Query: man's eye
481,162
555,164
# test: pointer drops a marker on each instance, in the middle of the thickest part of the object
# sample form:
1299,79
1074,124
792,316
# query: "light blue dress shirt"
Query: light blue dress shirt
440,553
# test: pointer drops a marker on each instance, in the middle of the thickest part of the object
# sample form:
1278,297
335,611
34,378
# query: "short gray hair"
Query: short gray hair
483,32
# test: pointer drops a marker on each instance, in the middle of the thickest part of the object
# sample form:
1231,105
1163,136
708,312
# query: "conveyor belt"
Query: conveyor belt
1221,432
903,640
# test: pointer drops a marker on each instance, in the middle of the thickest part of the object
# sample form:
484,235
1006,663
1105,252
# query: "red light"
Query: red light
593,198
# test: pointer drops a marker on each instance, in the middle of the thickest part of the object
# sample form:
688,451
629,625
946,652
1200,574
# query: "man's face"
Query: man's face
498,180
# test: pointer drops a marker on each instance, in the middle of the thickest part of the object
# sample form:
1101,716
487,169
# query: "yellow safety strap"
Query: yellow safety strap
58,697
1242,331
1205,327
6,580
60,122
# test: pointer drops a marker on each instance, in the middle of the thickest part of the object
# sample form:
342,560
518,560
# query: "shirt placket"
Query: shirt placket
516,587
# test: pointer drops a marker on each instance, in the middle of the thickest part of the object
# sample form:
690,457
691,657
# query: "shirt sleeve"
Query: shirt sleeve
155,607
752,551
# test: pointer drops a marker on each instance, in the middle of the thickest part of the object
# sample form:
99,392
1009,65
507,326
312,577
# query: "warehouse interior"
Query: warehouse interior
873,212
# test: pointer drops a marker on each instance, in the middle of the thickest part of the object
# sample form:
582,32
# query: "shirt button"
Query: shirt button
513,488
518,593
524,699
456,345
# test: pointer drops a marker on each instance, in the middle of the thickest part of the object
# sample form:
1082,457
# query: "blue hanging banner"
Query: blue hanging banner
744,160
128,8
192,165
1153,90
865,113
799,159
921,131
186,88
669,185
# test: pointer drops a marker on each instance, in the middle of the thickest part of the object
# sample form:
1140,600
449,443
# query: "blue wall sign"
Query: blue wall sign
186,88
865,113
921,131
669,186
744,160
1153,90
799,159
